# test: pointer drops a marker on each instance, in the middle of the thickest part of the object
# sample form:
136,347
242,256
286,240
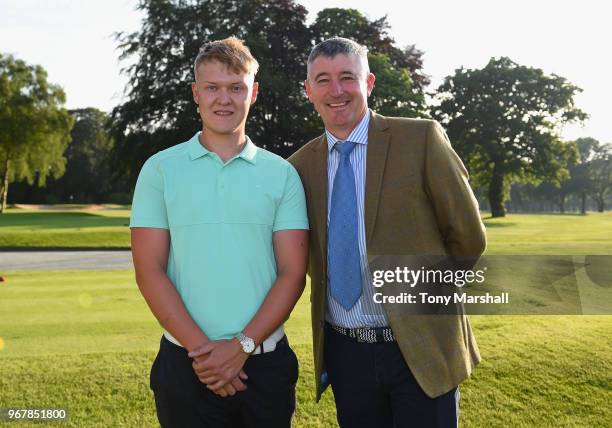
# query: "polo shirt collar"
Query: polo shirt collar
358,135
249,151
197,150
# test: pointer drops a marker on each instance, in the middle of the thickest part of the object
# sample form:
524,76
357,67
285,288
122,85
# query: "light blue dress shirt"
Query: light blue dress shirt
365,313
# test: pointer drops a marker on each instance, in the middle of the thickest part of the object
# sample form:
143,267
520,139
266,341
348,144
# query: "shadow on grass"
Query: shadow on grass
489,224
63,220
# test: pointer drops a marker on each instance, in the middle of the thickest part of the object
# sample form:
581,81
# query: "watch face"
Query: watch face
248,346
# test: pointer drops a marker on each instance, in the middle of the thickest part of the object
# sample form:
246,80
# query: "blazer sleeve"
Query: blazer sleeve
456,208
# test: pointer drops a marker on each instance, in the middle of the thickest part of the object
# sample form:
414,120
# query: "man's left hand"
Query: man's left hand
223,363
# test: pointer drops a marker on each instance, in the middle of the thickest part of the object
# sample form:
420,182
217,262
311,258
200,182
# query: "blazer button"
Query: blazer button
321,324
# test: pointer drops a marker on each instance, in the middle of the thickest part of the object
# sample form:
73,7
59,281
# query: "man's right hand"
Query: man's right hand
233,387
236,385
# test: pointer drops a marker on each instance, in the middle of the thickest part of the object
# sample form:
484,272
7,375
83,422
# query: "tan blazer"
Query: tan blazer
417,201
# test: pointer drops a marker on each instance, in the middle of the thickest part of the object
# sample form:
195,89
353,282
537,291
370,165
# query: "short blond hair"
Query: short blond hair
230,51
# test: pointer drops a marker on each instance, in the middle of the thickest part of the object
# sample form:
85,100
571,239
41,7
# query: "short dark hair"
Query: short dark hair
337,45
231,51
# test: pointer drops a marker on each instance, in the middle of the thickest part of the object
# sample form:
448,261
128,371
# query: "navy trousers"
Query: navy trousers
374,388
181,400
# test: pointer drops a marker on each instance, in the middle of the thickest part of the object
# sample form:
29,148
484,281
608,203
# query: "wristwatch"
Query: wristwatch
248,344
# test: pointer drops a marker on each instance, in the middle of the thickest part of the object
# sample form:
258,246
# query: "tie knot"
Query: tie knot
345,148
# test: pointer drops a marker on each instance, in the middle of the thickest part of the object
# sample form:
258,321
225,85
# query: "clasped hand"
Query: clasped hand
219,364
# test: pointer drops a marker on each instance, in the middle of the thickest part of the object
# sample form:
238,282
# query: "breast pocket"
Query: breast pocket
249,203
190,203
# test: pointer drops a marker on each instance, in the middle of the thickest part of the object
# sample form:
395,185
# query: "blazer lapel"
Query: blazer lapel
378,146
318,169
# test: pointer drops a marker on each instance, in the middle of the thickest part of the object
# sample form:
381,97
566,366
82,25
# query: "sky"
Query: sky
73,40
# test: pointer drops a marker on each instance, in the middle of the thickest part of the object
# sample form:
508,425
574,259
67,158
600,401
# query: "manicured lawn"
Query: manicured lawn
64,229
515,234
550,234
85,341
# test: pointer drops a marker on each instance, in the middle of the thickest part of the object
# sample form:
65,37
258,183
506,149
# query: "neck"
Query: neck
343,133
226,146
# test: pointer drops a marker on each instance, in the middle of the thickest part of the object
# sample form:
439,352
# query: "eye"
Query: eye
210,88
236,88
348,77
323,81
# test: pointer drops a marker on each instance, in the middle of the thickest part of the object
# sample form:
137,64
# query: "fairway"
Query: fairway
542,234
85,341
23,228
550,234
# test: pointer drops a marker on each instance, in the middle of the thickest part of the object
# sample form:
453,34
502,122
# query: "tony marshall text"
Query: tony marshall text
456,298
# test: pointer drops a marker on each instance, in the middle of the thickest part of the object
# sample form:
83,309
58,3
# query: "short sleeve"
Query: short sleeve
291,212
148,205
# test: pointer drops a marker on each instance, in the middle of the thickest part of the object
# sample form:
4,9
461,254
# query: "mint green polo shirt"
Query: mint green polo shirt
221,219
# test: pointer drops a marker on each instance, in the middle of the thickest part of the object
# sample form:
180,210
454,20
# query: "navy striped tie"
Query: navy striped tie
344,269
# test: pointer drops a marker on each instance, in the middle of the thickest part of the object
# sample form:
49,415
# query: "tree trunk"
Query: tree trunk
562,202
583,203
496,192
4,186
600,203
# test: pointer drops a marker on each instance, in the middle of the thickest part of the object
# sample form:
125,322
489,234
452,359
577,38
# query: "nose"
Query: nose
336,88
224,96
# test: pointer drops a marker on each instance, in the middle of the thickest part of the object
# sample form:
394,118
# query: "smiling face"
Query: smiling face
223,97
338,88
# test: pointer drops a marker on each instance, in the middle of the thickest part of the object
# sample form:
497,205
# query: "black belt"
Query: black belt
366,334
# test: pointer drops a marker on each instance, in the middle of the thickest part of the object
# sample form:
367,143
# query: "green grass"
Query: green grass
86,340
65,229
550,234
515,234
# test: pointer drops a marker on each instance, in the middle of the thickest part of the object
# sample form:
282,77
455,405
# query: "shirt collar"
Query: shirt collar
358,135
197,150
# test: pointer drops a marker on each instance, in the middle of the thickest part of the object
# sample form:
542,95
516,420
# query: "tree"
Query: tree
600,172
160,112
393,94
88,167
503,121
580,182
34,126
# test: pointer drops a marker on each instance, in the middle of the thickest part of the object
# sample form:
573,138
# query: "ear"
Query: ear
370,82
308,89
254,92
194,91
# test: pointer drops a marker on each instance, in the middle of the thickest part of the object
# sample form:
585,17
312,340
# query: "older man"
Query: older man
381,186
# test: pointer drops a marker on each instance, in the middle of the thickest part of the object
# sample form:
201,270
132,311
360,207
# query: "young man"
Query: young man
219,242
379,186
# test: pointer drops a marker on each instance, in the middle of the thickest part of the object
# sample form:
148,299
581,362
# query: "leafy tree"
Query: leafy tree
88,170
160,112
580,182
590,174
600,172
393,94
503,120
87,176
34,126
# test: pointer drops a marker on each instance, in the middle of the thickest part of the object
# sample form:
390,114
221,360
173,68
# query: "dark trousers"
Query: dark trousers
182,400
374,388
